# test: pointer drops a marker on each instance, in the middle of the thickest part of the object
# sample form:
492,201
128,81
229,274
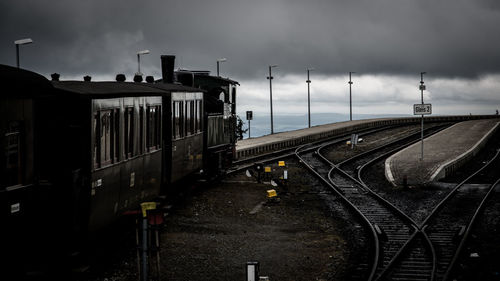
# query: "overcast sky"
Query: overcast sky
387,42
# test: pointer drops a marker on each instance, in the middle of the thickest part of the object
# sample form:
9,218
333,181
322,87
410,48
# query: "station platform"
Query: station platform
444,152
282,140
269,143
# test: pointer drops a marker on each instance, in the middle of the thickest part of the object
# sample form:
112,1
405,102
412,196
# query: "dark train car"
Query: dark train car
20,193
79,154
133,140
220,116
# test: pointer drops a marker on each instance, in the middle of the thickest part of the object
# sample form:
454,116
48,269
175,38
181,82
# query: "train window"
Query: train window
153,127
13,154
115,135
198,116
190,130
129,132
141,129
192,117
175,111
178,120
105,137
97,139
158,126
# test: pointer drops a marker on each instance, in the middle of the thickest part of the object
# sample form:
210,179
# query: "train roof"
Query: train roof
111,89
21,83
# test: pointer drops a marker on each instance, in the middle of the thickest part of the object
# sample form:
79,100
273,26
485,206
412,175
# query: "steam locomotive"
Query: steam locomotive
78,154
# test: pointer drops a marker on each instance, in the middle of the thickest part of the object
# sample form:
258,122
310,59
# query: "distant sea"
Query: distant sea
261,125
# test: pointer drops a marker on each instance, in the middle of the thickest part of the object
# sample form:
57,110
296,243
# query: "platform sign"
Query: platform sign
422,109
281,163
249,115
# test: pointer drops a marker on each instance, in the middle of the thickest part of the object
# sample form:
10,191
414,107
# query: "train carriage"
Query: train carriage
138,138
79,154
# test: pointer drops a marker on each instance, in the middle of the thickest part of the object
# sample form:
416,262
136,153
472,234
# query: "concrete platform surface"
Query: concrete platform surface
278,137
444,152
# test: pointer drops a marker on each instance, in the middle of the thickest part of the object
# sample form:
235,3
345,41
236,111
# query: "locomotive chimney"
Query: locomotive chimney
167,68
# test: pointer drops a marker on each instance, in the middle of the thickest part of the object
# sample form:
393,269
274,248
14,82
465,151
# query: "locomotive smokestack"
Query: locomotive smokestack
167,68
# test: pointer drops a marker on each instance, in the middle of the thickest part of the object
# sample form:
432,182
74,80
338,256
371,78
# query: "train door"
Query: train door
106,152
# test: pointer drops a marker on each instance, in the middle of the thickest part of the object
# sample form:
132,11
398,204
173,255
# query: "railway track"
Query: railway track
433,249
390,228
402,248
407,250
247,162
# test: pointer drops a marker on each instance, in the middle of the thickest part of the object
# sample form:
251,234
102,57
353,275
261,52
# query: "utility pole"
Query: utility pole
350,96
422,88
308,81
270,77
219,61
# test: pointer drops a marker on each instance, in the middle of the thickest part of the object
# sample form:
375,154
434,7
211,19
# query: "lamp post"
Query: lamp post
218,61
350,95
143,52
270,77
21,42
422,88
308,81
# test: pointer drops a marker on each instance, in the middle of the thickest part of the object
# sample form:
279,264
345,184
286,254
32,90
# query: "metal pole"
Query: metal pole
144,249
350,97
422,123
138,64
308,99
17,55
248,128
271,97
217,68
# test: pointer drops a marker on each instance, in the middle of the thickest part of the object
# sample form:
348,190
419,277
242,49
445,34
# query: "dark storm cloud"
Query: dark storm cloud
443,37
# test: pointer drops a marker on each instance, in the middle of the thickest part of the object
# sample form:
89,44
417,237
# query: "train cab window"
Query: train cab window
129,132
233,100
13,155
153,127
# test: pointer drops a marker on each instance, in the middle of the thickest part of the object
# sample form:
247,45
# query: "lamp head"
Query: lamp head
23,41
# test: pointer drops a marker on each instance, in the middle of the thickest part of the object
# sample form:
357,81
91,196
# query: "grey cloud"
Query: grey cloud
447,38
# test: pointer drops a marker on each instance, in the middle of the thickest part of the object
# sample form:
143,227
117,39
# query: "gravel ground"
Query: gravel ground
210,233
479,260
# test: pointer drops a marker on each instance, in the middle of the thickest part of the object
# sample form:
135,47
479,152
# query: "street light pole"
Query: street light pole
143,52
220,60
422,88
308,81
270,77
21,42
350,95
